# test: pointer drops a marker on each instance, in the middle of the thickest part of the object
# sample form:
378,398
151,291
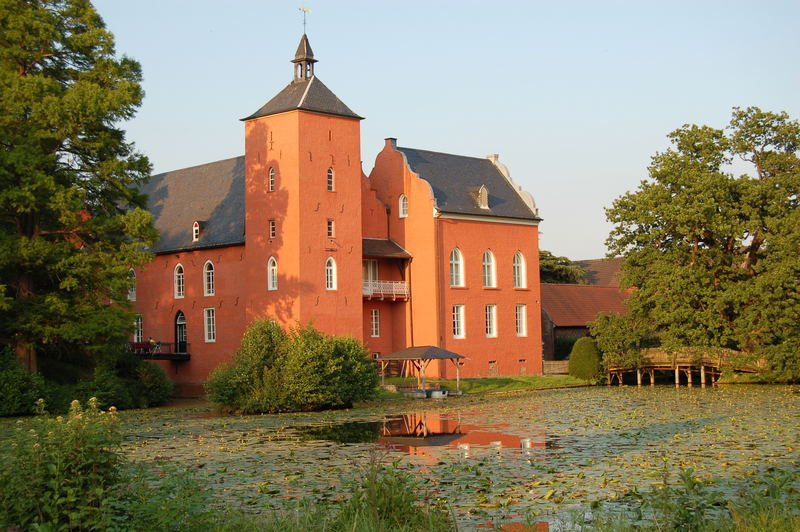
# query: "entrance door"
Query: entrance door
180,333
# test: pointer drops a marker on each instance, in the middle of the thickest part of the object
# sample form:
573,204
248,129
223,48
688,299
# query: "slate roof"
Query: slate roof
574,305
423,352
602,272
306,95
383,247
212,193
455,178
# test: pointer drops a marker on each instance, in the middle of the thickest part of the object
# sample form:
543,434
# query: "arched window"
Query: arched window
208,279
330,274
520,276
330,179
489,279
271,180
456,268
272,274
403,206
132,286
178,282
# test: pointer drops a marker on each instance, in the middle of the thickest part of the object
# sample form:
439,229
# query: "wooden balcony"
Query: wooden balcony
394,290
160,350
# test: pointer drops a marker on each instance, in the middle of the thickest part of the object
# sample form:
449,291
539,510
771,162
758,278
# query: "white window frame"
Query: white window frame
456,268
331,228
179,282
208,278
402,206
488,270
330,274
491,321
271,180
459,327
272,274
522,320
520,271
195,231
272,228
331,186
132,288
210,324
375,323
138,328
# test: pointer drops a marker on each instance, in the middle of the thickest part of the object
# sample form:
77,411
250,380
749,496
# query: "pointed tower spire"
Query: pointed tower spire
303,60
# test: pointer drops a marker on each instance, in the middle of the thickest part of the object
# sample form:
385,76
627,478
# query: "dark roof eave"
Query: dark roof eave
256,115
199,248
490,215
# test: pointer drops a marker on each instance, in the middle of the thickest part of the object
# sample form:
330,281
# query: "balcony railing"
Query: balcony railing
160,350
385,289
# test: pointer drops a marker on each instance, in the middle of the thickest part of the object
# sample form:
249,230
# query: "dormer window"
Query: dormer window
195,231
483,197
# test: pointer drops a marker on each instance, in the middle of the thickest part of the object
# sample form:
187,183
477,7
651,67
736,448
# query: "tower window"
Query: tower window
271,180
330,274
273,229
331,229
272,274
330,179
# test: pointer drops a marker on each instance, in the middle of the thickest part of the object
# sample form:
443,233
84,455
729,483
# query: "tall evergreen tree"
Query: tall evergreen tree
713,255
71,222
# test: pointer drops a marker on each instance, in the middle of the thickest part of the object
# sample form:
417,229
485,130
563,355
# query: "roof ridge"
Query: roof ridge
445,153
199,165
305,92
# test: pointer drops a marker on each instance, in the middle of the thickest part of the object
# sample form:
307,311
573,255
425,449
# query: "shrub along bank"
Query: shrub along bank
290,371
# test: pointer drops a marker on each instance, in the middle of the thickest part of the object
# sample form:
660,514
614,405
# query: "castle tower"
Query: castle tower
303,205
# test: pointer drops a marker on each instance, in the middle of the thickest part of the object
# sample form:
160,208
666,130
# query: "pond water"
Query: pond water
493,459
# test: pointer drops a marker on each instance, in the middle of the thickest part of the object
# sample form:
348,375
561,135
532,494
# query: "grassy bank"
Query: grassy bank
494,384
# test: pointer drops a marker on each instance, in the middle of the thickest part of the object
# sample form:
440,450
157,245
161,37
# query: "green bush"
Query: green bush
61,473
302,370
584,360
155,387
19,389
109,389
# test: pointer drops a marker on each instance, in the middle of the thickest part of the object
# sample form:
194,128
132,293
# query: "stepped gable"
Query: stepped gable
455,178
212,194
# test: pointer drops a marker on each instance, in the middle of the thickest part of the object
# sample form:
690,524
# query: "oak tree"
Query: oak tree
71,219
711,249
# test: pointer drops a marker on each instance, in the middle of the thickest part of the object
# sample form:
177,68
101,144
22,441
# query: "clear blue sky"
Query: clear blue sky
575,96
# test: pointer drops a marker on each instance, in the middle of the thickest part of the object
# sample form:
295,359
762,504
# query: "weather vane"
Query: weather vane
305,11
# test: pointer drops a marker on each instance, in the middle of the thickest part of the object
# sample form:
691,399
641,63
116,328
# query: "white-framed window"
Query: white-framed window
403,206
491,321
273,229
330,274
132,287
195,231
178,286
488,269
483,197
138,328
369,270
458,322
331,228
375,322
520,273
456,268
208,279
272,274
330,180
210,324
271,180
522,320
